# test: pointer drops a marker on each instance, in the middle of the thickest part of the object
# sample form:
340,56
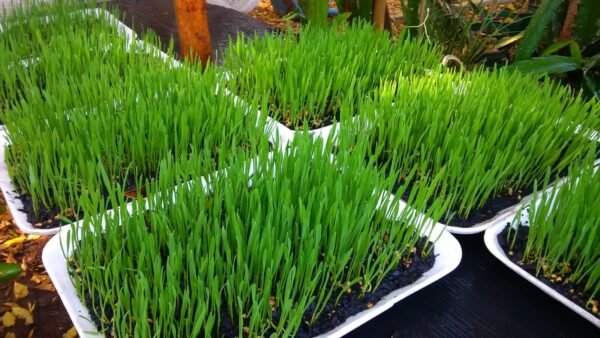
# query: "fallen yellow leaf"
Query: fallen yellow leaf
21,290
71,333
16,240
10,335
8,319
23,314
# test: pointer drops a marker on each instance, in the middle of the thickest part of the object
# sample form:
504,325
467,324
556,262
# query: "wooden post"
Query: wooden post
379,14
192,25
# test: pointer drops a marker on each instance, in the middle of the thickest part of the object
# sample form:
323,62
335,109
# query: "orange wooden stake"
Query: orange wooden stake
192,24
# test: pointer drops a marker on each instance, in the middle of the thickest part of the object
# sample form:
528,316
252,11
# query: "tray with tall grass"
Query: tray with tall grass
302,80
487,137
267,247
107,108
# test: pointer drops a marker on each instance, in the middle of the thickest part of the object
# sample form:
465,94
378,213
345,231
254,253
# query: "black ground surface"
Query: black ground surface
481,298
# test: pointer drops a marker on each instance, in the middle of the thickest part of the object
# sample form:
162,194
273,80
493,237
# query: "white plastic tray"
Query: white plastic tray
491,241
447,250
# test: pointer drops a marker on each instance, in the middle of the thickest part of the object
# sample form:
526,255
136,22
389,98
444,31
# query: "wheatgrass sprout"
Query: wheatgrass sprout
489,133
115,110
303,80
270,248
32,28
563,234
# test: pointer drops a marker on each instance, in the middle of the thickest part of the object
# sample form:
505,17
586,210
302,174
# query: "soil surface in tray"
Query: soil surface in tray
490,209
573,292
332,316
52,218
310,125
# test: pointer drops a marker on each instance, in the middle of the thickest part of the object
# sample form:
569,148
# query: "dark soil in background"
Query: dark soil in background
331,317
573,292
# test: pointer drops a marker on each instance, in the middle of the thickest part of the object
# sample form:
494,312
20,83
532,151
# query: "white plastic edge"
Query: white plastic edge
54,257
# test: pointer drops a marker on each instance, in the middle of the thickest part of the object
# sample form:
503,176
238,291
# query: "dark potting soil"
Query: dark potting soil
326,121
51,218
490,208
350,303
331,317
573,292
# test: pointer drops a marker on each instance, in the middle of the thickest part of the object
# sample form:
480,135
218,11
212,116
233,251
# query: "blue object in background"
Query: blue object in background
283,7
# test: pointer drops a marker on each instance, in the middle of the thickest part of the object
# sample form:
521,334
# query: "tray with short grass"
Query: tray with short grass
294,243
553,242
489,135
302,80
61,141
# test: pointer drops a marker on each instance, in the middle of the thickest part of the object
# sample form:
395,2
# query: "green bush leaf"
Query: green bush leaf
552,64
535,30
587,25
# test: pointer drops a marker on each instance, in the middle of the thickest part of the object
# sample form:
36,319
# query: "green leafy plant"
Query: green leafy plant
578,29
274,73
535,30
268,245
315,12
563,230
485,133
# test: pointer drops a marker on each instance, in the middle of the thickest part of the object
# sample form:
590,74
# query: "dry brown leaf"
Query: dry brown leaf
8,319
21,291
30,335
71,333
43,283
10,335
24,314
